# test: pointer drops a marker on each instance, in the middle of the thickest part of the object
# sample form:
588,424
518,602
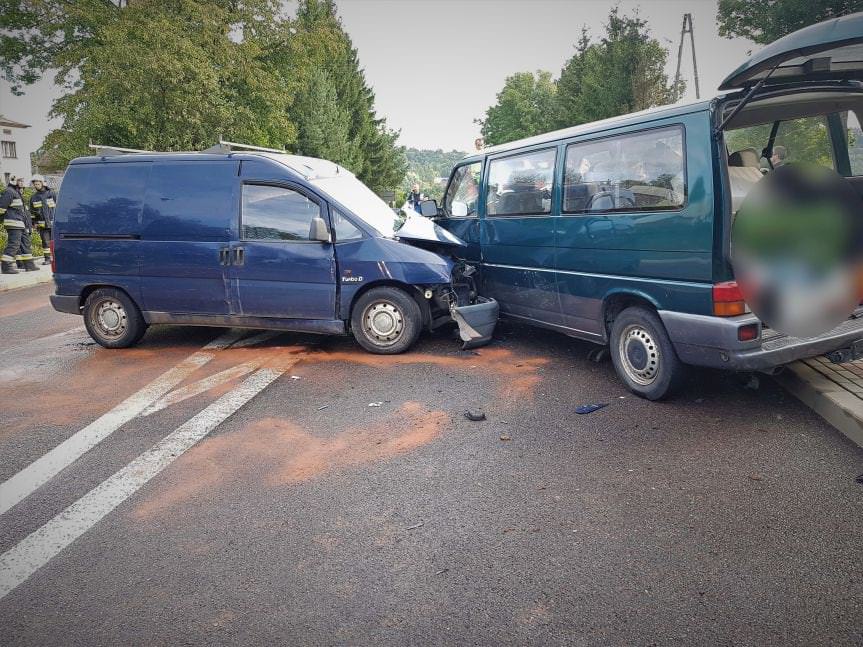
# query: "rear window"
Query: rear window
643,171
103,199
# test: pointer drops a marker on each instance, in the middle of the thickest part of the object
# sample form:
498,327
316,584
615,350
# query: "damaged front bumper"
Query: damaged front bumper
476,321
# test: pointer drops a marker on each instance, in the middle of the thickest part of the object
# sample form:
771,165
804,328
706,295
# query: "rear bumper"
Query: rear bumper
712,341
63,303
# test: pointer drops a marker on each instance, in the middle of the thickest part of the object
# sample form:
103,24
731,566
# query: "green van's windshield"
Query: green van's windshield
361,201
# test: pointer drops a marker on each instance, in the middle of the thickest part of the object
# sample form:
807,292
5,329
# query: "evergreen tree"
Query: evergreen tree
322,123
317,41
624,72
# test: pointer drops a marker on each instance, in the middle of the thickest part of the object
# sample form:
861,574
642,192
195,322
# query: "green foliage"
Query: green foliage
763,21
525,106
315,50
424,167
623,72
177,74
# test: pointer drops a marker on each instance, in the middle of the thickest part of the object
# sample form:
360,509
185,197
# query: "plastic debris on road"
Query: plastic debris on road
474,415
590,408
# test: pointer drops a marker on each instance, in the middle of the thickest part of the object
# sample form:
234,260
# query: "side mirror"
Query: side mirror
428,208
458,209
318,231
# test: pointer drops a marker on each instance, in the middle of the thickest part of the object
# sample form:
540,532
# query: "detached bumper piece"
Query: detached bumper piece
476,322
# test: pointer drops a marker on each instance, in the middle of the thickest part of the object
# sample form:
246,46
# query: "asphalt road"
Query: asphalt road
271,504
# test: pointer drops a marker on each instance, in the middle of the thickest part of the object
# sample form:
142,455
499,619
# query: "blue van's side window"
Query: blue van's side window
344,228
277,213
103,198
643,171
191,201
521,184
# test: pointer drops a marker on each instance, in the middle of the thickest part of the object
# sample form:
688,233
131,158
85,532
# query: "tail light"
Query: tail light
727,299
53,257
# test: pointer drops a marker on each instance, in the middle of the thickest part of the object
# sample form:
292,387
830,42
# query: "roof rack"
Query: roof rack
222,147
108,151
228,147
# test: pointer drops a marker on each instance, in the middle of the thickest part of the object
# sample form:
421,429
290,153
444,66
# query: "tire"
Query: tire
386,321
112,318
643,355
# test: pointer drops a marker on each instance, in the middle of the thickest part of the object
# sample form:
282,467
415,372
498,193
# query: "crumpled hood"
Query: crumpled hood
420,229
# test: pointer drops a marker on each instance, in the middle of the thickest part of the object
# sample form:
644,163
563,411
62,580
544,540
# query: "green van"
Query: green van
619,231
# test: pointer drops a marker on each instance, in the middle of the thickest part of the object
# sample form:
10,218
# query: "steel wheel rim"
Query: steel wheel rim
639,355
109,317
383,323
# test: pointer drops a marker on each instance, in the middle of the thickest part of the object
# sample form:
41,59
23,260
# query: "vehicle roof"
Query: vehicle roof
310,168
650,114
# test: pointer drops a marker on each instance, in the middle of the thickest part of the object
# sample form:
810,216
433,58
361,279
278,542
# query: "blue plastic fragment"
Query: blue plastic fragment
590,408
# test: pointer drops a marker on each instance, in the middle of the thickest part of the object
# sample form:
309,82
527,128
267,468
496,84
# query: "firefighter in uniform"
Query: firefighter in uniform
18,226
42,204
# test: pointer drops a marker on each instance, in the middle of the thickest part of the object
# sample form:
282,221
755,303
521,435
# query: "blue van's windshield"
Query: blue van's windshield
362,201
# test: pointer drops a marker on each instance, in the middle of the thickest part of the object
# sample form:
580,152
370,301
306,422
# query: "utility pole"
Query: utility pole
687,29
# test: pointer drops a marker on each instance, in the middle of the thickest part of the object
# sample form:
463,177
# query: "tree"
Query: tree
624,72
763,21
322,123
525,106
164,75
315,43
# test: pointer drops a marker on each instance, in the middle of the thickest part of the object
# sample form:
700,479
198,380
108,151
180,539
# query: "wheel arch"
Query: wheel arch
617,301
90,289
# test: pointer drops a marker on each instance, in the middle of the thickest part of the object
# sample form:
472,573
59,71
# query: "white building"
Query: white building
13,159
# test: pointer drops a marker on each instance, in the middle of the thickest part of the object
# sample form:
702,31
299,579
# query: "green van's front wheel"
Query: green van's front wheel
643,355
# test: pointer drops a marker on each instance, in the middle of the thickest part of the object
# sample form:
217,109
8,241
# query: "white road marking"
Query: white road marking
42,470
34,551
201,386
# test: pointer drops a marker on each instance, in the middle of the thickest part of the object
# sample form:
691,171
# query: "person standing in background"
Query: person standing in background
415,197
18,226
42,204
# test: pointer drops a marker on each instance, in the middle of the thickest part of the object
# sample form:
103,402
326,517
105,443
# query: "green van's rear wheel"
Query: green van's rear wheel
112,318
386,321
643,355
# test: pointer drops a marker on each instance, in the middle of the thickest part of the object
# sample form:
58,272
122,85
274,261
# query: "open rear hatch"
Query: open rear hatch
829,51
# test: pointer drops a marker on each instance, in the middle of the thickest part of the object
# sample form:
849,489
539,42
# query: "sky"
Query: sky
437,65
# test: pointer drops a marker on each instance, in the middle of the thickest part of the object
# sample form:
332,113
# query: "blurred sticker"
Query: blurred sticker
797,250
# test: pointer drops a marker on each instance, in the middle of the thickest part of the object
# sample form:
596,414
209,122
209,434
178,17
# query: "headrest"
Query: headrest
745,157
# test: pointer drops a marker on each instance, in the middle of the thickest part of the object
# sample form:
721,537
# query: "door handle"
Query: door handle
239,255
224,255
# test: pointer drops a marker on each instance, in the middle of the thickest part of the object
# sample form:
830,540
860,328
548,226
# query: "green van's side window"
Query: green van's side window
521,185
643,171
462,196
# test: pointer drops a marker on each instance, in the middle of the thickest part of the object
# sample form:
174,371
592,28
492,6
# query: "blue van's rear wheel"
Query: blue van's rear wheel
386,320
643,355
112,318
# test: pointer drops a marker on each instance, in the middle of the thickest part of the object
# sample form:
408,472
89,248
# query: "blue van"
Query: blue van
257,239
619,232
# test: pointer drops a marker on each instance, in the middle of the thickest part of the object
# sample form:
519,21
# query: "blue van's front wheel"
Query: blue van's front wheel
386,320
112,318
643,355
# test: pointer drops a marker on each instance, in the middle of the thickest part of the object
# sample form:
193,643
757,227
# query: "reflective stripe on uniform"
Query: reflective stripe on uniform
24,257
2,211
13,224
17,202
36,204
51,203
7,259
41,225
